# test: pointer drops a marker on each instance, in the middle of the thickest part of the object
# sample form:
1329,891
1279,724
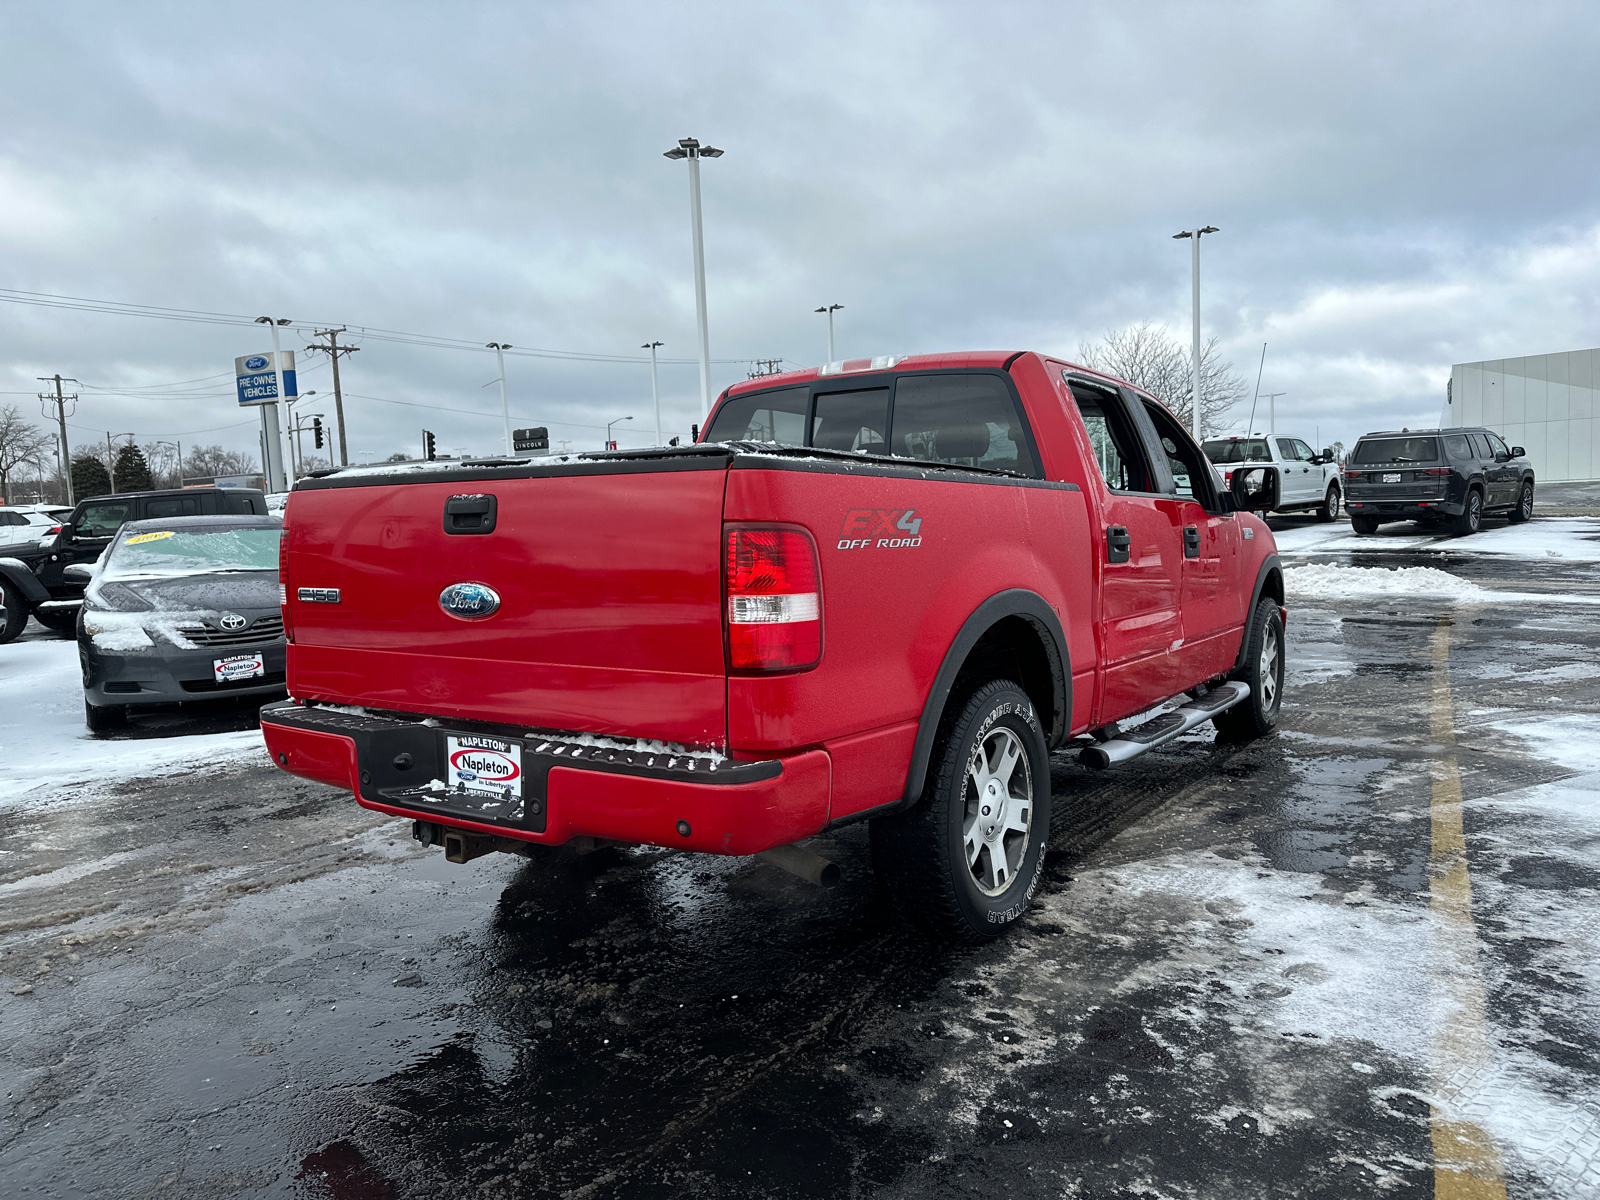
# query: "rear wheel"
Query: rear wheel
1471,514
16,611
1263,671
1364,524
103,717
1524,509
966,860
1330,504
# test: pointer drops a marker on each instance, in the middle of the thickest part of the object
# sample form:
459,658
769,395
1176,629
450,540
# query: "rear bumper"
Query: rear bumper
569,788
1398,510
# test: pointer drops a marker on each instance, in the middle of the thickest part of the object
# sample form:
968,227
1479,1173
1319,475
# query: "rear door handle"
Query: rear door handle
1191,541
1119,544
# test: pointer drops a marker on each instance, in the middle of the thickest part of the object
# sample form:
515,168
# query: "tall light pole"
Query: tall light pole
692,150
297,452
830,309
1195,235
278,480
655,386
500,349
619,420
1272,411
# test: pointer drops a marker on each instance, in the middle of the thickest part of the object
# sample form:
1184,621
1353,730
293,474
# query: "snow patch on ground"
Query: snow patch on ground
49,755
1575,539
1331,581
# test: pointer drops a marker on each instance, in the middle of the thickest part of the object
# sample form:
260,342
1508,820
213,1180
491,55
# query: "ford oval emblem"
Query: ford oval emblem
470,601
255,362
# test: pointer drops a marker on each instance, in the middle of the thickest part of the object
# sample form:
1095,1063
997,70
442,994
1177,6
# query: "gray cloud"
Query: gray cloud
1399,187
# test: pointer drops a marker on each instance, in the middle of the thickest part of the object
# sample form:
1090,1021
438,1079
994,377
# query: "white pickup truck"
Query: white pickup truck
1307,480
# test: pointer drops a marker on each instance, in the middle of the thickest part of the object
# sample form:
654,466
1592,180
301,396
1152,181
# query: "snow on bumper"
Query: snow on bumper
569,787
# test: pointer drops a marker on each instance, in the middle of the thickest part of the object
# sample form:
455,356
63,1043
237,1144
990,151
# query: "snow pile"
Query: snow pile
49,754
1574,539
121,632
1330,581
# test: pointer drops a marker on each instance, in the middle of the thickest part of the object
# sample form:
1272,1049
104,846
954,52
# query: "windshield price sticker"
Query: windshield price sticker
238,667
140,539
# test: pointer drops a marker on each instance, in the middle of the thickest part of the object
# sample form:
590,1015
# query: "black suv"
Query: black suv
1436,476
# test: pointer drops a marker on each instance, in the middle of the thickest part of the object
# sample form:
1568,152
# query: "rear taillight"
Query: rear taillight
1352,474
283,583
1437,471
774,611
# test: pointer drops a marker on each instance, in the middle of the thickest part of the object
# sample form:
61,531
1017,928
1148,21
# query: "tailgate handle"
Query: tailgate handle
470,514
1191,541
1118,544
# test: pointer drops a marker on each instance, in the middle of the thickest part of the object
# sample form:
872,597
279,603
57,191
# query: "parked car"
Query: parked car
20,526
181,609
879,591
38,583
1307,480
1437,476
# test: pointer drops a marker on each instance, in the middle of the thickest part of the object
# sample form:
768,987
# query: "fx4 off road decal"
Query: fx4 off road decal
880,529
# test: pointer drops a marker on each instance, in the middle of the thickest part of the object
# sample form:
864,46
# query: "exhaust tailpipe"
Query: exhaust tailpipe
803,864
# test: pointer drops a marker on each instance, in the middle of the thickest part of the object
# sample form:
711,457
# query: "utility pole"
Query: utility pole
655,386
500,349
766,366
60,402
333,350
111,463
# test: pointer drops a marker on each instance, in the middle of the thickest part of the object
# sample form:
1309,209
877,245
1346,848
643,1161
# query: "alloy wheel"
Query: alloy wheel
1267,668
999,810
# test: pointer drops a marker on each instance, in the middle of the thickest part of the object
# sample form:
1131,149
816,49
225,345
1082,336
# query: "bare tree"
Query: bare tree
214,460
1148,356
20,442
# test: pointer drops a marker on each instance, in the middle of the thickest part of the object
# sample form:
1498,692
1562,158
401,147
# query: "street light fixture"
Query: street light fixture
500,349
655,387
830,309
608,430
296,450
693,151
1195,235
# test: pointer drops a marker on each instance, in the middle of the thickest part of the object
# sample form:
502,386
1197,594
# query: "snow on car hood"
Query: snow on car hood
121,615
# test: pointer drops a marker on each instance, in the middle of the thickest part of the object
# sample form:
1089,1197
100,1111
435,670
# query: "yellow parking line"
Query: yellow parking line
1466,1165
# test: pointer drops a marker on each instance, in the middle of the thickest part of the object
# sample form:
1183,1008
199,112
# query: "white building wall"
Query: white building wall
1545,403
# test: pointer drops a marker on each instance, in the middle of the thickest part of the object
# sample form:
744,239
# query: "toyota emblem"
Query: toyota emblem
232,621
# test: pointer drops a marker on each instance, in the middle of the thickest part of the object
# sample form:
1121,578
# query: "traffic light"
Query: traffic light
316,432
427,445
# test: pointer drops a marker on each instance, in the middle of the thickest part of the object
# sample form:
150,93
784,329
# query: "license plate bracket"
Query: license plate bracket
483,777
1392,477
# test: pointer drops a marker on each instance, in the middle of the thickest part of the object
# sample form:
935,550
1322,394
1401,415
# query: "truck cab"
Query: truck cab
1308,481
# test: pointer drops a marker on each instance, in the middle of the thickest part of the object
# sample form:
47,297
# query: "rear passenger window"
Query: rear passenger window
1457,445
172,506
1116,445
1480,445
778,416
852,421
964,420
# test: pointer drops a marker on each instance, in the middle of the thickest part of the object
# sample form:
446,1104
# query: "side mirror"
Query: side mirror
1254,489
1327,454
78,572
1518,452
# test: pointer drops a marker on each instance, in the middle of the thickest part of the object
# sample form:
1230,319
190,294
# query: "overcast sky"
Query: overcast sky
1399,187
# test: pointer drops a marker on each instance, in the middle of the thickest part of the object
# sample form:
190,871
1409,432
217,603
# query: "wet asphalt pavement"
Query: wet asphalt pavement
1242,976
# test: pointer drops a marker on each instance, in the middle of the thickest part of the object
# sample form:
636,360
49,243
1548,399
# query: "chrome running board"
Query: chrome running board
1164,728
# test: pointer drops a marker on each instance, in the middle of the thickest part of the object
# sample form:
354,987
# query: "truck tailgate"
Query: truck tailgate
610,593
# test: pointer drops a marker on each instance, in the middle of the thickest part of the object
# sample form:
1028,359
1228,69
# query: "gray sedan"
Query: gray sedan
182,609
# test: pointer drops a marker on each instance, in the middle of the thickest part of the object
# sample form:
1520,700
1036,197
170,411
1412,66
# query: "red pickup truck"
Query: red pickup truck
884,590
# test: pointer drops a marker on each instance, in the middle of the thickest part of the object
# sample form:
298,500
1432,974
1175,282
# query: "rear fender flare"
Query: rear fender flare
16,573
1014,602
1270,575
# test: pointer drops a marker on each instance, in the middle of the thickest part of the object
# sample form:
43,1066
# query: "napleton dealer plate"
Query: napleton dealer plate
484,775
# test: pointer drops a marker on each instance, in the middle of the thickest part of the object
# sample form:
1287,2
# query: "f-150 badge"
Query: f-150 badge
880,529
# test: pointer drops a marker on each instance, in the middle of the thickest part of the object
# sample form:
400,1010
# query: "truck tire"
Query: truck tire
1524,509
1471,515
101,718
16,611
1364,525
1263,671
1330,504
967,858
